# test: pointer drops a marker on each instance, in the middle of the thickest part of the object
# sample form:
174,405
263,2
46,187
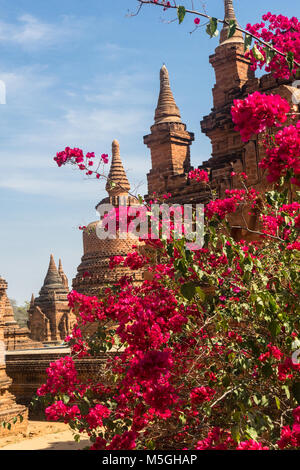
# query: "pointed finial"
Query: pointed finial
230,15
60,268
62,274
32,301
229,10
52,264
52,276
167,110
117,182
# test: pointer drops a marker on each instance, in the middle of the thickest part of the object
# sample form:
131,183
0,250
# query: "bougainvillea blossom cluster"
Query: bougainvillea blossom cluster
284,35
203,354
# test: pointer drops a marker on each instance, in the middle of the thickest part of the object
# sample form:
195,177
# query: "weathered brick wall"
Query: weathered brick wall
8,406
28,372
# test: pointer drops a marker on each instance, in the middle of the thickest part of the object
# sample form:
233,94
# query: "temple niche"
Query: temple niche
50,318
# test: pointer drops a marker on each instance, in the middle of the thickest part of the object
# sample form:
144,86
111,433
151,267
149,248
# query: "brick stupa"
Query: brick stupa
15,337
94,273
50,318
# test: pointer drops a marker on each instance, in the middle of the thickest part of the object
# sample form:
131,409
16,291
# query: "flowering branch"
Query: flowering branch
167,5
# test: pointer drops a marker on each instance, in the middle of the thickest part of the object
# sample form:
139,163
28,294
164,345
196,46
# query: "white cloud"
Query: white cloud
67,188
31,32
125,88
25,84
43,115
103,121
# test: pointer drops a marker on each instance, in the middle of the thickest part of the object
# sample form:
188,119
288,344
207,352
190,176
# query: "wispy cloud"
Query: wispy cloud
30,32
127,87
66,188
27,85
113,51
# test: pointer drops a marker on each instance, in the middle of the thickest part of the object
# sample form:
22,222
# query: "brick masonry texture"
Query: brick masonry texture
8,406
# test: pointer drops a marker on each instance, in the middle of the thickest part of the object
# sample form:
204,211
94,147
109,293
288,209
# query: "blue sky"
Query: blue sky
81,74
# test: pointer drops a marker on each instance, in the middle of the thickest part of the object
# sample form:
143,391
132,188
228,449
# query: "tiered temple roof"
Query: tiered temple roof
94,273
50,319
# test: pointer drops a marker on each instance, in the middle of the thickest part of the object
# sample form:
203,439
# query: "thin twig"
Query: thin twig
225,22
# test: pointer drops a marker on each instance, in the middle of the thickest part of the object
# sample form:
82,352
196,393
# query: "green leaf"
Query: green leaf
256,53
256,400
150,445
247,41
259,305
275,328
235,433
264,401
296,391
252,433
188,290
181,13
66,399
212,28
232,28
269,55
277,402
290,58
226,381
286,389
200,293
182,419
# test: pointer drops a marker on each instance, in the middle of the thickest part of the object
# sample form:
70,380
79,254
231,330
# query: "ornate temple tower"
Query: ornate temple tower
169,141
15,337
50,318
235,80
94,273
231,67
8,407
233,73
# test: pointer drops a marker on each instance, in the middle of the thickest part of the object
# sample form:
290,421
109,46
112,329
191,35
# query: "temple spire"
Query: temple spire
60,268
62,274
230,15
167,110
117,183
32,301
52,276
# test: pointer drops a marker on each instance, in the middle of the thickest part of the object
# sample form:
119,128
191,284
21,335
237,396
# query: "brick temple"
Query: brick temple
15,337
94,272
170,145
8,406
50,319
